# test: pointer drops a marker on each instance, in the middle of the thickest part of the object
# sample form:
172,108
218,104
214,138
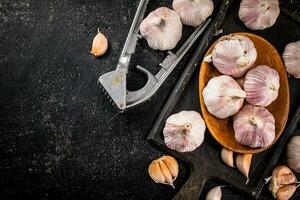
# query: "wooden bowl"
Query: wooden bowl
222,129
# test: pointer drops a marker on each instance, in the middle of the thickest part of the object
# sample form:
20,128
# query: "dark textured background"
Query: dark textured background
59,136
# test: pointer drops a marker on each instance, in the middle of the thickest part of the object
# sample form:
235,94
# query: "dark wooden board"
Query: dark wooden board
205,163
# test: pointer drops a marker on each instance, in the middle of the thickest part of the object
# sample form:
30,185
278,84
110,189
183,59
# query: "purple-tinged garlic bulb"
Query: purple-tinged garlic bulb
291,57
162,29
254,126
261,85
234,55
223,96
184,131
193,12
293,154
259,14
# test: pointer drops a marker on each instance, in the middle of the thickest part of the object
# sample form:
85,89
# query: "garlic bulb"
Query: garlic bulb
259,14
254,126
100,45
243,163
261,85
214,194
193,12
223,96
184,131
293,154
234,55
164,170
286,192
227,157
291,57
162,29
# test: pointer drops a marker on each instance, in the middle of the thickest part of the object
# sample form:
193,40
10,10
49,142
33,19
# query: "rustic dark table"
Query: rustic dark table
60,138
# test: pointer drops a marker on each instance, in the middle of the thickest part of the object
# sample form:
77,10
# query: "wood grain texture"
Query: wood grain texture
222,129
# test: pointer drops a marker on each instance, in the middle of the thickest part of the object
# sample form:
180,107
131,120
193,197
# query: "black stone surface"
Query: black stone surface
60,138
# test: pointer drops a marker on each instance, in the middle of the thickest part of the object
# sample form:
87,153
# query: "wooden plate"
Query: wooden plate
222,129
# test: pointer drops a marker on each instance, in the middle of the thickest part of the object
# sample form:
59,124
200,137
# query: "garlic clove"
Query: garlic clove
193,13
234,55
286,192
162,29
223,96
184,131
259,14
214,194
100,45
293,154
254,126
243,163
227,157
291,57
164,170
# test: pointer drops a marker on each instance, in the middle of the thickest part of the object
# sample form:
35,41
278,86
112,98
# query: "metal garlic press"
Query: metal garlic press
114,83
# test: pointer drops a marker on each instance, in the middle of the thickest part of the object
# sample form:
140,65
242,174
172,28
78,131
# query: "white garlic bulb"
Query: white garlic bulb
214,193
261,85
184,131
234,55
259,14
254,126
162,29
193,12
223,96
293,154
291,57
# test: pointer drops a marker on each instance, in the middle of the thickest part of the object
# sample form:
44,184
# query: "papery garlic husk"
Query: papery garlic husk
227,157
162,29
261,85
100,45
291,57
259,14
184,131
214,193
293,154
223,96
286,192
243,164
193,12
254,126
164,170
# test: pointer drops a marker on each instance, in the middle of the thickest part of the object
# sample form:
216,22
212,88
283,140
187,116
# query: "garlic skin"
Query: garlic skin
162,29
286,192
291,57
214,194
259,14
261,85
243,163
100,45
234,55
293,154
254,126
193,12
164,170
227,157
223,96
184,131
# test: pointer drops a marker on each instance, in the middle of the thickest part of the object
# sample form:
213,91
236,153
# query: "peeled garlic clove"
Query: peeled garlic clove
223,96
164,170
293,154
162,29
234,55
184,131
227,157
286,192
100,45
254,126
243,163
259,14
291,57
193,12
214,194
261,85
